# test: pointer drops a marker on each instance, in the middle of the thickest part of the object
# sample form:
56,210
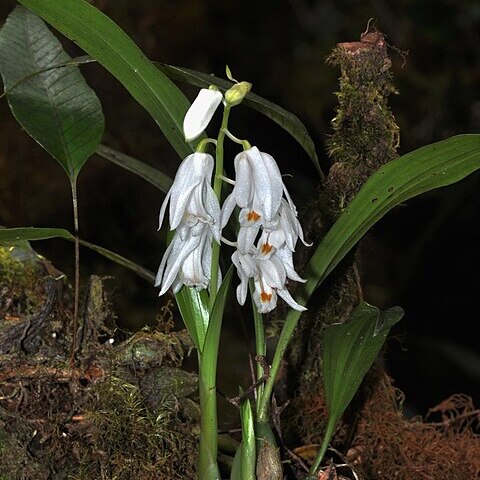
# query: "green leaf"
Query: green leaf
215,324
193,306
249,456
74,62
57,107
154,176
12,236
236,473
105,41
348,353
244,462
417,172
287,120
124,262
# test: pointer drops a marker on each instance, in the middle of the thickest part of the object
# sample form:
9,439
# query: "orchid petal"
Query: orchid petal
285,294
180,250
285,256
200,113
243,188
163,208
246,238
271,172
227,209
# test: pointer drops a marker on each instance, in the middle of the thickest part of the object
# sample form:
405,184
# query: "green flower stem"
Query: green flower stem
217,188
287,332
260,348
207,467
207,360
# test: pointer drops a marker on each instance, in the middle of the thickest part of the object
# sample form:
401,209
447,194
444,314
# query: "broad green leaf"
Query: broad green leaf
193,306
9,236
74,62
427,168
154,176
287,120
348,352
105,41
57,107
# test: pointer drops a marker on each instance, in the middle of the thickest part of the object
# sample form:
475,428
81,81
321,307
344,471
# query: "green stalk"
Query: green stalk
260,348
207,468
207,360
285,336
326,440
217,188
73,185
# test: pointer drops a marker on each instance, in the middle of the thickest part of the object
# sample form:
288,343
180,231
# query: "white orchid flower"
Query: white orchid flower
200,113
191,196
259,191
258,187
187,260
195,214
269,276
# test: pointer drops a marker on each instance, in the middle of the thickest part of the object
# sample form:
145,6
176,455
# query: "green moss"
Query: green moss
136,442
20,292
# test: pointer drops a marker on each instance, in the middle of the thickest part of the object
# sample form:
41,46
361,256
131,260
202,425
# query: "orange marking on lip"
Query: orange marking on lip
252,216
265,297
266,248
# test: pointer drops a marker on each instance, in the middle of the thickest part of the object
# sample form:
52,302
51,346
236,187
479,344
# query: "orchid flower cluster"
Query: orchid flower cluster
269,227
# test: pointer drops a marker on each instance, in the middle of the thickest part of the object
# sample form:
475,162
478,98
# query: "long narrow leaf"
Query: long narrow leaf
417,172
150,174
105,41
12,236
287,120
56,107
215,325
124,262
433,166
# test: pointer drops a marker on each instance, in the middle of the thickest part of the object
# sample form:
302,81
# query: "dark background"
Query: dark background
422,256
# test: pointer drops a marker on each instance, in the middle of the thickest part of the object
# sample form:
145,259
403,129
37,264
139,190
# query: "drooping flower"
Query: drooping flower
259,191
191,196
258,187
267,213
195,214
269,276
201,112
187,260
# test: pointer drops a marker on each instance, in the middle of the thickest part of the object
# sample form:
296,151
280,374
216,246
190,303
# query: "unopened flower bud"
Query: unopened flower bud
237,93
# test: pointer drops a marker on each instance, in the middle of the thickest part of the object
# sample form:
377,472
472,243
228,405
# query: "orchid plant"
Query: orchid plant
267,224
268,230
